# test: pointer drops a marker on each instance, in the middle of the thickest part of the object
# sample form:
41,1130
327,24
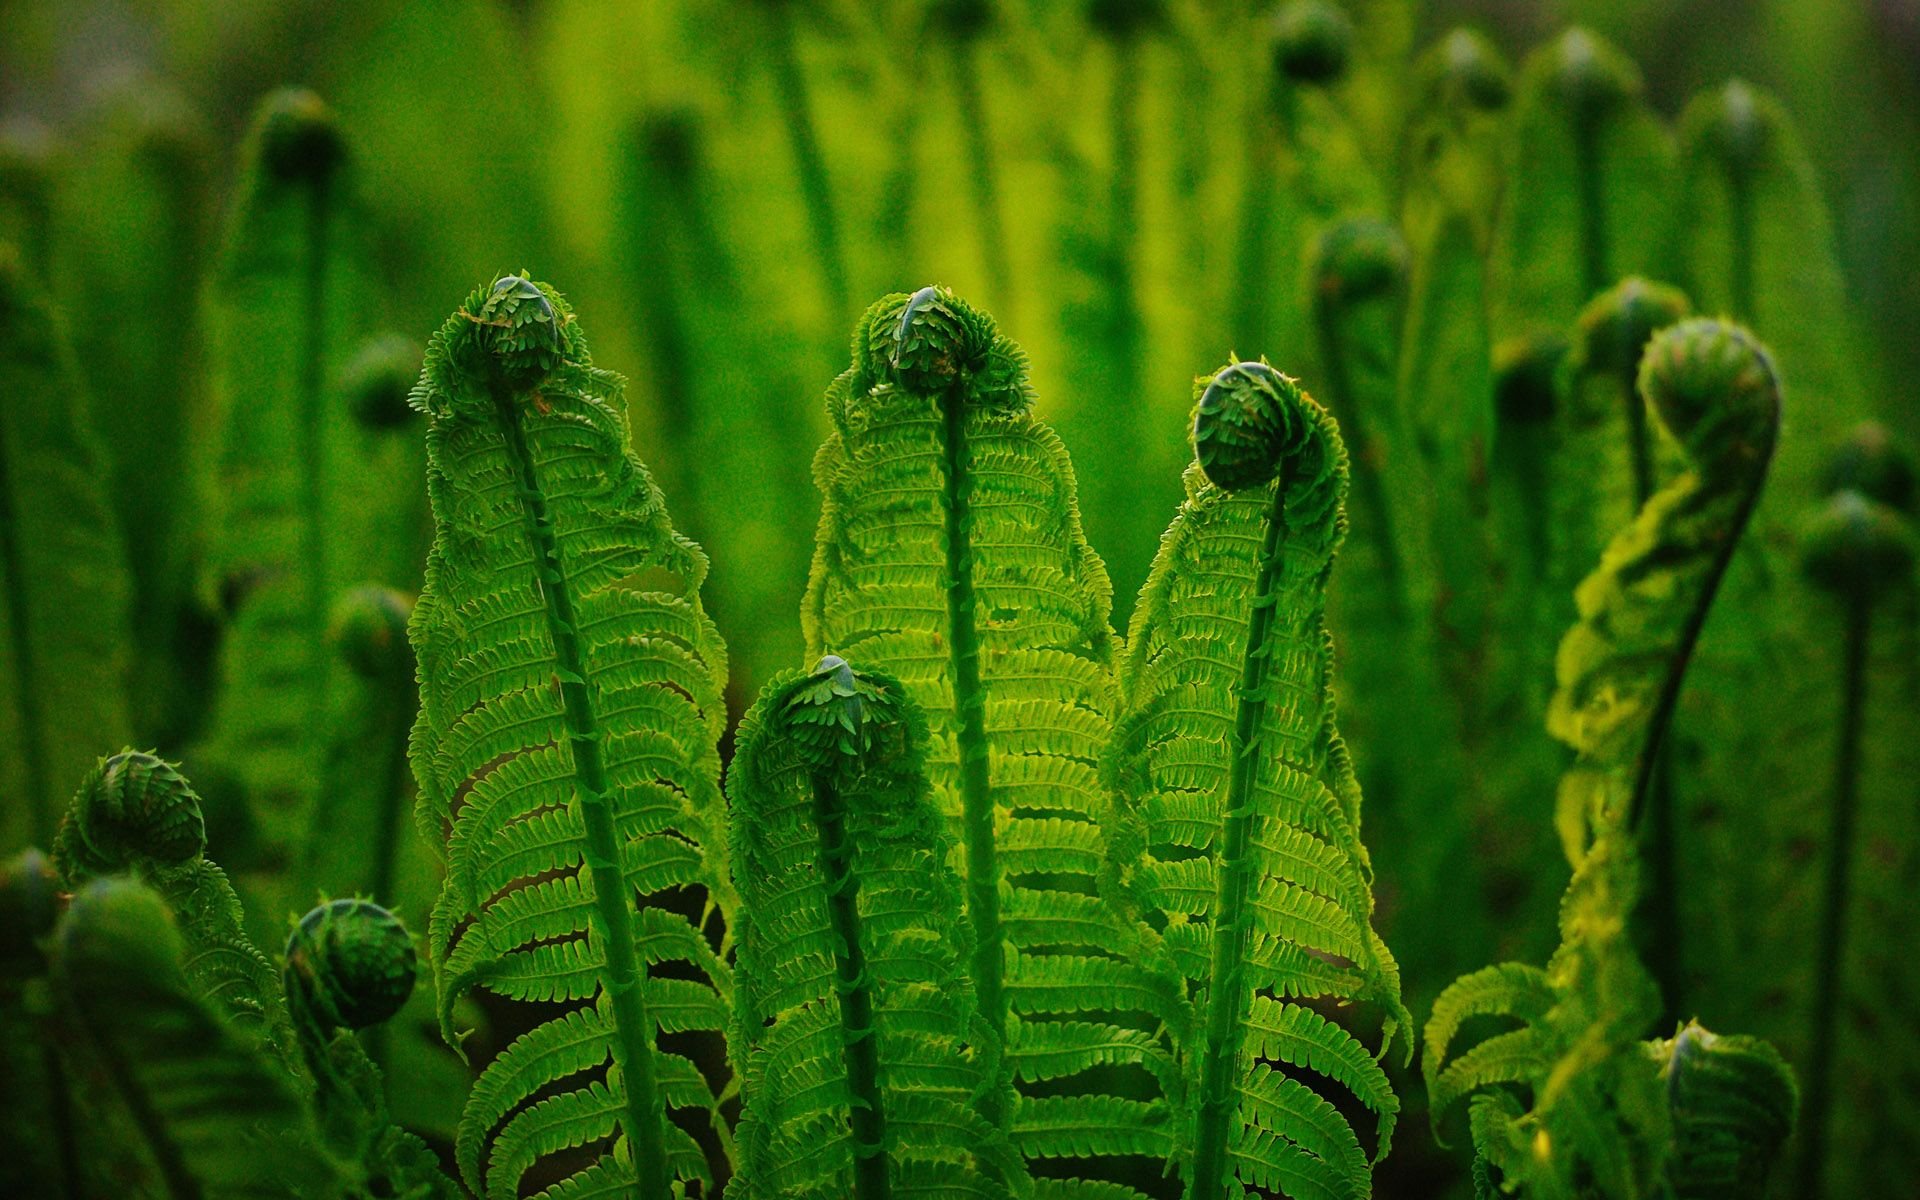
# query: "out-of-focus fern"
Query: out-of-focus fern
565,752
1732,1101
1586,1116
204,1112
43,1150
1238,840
136,814
950,555
862,1051
64,591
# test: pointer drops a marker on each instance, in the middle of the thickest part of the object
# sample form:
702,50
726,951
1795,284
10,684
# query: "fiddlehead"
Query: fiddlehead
350,964
378,379
1733,1102
1312,42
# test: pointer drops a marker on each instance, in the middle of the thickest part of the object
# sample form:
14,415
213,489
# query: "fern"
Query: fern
64,592
136,814
204,1113
565,752
950,555
1596,1123
1241,846
41,1139
862,1051
1733,1101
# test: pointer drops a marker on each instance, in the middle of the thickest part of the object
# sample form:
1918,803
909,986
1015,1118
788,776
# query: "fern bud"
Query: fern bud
1714,387
517,334
1616,325
369,628
1242,423
1312,42
1123,20
1591,76
350,963
378,379
115,928
1524,370
132,807
838,717
300,142
1734,124
29,906
1465,71
927,342
1872,463
1733,1102
1857,547
1358,259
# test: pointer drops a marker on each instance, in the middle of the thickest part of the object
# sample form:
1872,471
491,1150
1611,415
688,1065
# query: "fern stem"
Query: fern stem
815,191
1833,914
312,444
1740,215
1257,199
25,674
1226,998
168,1161
1593,226
625,983
1370,490
984,175
60,1114
399,706
970,708
867,1113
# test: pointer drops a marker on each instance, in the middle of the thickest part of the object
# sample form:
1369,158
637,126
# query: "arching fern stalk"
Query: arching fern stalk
856,1026
1240,844
565,750
950,554
1586,1114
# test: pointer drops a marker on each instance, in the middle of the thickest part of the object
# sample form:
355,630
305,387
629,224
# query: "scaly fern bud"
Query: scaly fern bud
835,717
1312,42
132,809
29,906
378,378
369,628
1733,1102
1872,463
1715,390
517,336
1731,124
1524,370
1857,547
350,964
1591,76
1466,71
1616,325
1358,259
300,142
1247,415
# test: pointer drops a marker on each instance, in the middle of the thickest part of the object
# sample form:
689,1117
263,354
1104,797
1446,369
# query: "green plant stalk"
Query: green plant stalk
815,190
1257,199
1226,999
866,1111
625,981
984,175
1593,225
167,1160
1831,948
402,697
1740,216
312,449
970,707
1370,492
26,687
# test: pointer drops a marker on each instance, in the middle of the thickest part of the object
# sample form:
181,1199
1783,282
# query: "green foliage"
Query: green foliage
565,755
64,593
862,1047
950,555
1733,1101
1239,845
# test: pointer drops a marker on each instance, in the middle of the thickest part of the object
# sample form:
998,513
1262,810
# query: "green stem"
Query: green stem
1740,206
625,983
1369,491
311,446
984,176
1831,949
970,710
1593,225
866,1108
60,1115
1252,271
175,1177
815,190
33,763
1226,981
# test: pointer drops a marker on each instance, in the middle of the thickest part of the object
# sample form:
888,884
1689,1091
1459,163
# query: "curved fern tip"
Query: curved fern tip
351,964
369,628
1857,547
1358,259
1312,42
29,907
515,335
378,378
1616,325
1713,385
1524,369
1734,121
933,343
300,141
1870,461
837,715
1469,72
118,925
1590,75
1243,421
132,806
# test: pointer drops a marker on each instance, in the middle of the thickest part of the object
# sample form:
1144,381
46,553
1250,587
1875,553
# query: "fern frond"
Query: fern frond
64,592
135,814
40,1139
1733,1101
565,753
209,1115
950,555
854,1015
1240,810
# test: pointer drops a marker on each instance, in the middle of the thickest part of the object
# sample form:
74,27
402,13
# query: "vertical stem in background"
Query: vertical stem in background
1248,324
970,710
866,1113
984,175
312,446
1831,948
1368,489
1593,217
633,1025
1740,215
817,193
26,697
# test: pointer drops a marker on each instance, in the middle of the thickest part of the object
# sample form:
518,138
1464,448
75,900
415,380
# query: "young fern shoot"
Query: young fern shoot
1238,840
950,555
858,1033
566,754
